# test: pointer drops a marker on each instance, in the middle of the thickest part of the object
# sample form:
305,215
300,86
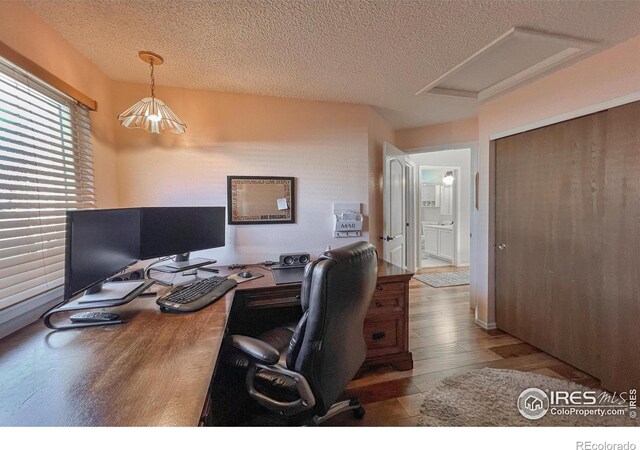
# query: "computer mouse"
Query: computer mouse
245,274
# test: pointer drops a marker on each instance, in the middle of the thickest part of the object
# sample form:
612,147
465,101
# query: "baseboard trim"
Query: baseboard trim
485,325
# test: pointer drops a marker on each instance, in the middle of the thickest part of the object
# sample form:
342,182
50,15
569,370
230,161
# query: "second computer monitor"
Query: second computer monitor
100,243
176,231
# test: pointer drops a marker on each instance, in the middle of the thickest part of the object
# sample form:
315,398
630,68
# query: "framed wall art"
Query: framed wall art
260,200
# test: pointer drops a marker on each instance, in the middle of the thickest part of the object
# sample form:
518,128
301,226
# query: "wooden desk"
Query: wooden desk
154,370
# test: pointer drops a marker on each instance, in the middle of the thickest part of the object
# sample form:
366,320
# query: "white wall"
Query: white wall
450,133
323,145
454,158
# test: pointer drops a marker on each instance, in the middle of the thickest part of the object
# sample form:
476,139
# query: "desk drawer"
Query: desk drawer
389,289
384,304
287,296
387,298
383,337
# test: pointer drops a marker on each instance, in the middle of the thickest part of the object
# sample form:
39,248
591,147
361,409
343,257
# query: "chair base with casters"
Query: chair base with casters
341,407
264,365
300,371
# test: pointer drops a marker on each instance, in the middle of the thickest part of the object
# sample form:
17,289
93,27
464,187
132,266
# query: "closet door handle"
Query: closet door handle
502,246
379,287
379,304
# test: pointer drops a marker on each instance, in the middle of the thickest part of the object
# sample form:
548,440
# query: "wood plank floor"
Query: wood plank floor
445,341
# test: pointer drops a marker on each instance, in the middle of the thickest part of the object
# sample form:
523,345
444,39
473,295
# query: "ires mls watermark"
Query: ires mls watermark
534,403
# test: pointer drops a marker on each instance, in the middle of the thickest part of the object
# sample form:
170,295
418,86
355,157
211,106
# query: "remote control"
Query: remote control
85,317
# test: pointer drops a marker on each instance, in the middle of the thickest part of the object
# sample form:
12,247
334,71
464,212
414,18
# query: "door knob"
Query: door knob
387,238
502,246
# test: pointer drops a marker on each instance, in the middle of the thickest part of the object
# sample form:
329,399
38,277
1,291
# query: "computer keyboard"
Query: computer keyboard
195,296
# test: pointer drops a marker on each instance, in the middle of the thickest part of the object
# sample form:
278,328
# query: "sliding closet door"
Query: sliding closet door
568,242
621,251
549,238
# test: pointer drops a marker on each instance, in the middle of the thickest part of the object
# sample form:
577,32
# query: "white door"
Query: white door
412,232
393,174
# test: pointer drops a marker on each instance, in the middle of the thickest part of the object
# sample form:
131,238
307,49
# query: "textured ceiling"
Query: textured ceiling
377,52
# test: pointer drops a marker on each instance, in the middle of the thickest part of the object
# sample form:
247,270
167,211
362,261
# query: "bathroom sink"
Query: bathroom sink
447,226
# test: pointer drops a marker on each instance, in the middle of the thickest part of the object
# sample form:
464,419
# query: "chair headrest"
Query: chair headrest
348,252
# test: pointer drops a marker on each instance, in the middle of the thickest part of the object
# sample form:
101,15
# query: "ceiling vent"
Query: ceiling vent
515,57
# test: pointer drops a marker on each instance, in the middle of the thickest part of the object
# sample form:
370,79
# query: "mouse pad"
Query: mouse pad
239,279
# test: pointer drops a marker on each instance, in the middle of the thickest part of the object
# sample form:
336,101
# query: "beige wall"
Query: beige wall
379,132
436,135
605,76
27,34
323,145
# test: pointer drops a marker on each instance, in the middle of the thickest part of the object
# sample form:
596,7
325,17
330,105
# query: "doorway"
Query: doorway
437,216
442,207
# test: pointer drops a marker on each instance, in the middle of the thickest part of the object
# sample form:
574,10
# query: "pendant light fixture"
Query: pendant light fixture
448,178
151,113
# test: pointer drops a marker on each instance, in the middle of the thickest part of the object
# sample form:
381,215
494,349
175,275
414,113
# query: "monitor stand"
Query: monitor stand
182,263
112,291
190,263
77,305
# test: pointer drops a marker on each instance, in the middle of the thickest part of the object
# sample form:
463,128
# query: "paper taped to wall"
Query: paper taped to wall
282,204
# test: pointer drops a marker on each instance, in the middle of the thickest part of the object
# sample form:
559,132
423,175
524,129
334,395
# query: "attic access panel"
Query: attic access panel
513,58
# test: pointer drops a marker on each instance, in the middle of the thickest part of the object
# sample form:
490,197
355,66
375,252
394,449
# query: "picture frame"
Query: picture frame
260,200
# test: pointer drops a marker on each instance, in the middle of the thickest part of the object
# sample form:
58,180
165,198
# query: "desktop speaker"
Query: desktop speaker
294,259
134,275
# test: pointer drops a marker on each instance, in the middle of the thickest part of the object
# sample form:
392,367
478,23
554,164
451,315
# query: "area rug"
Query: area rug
489,397
444,279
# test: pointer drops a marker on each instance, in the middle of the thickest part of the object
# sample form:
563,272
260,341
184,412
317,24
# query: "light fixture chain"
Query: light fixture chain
153,81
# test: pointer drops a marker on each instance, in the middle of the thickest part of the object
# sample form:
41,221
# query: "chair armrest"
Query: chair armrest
304,403
254,348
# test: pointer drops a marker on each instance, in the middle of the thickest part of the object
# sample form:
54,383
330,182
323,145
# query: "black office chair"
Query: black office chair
300,371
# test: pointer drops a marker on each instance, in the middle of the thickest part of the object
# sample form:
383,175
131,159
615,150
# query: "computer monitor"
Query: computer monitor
100,243
167,231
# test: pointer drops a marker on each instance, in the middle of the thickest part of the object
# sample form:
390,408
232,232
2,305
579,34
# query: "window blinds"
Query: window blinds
46,168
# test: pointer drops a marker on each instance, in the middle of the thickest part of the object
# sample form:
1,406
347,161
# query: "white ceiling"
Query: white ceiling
377,52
